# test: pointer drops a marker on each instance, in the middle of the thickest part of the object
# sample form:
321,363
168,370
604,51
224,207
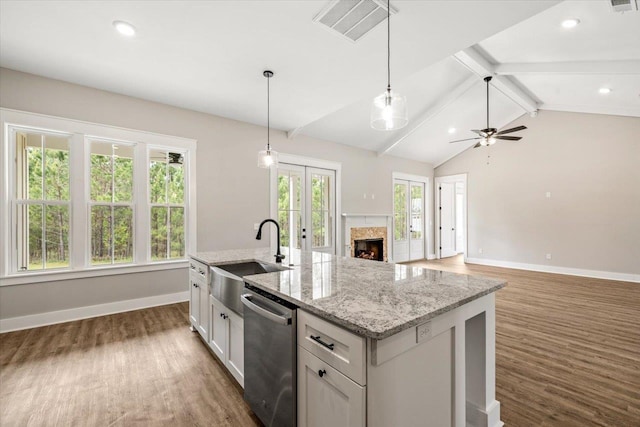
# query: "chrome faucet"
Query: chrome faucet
278,255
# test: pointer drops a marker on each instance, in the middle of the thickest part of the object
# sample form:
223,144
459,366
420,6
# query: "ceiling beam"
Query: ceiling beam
474,61
574,67
443,103
293,132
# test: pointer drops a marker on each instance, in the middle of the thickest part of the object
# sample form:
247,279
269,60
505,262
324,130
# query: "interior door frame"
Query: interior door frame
436,229
426,216
295,160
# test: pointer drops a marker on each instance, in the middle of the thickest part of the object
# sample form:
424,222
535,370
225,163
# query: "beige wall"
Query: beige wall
591,165
232,192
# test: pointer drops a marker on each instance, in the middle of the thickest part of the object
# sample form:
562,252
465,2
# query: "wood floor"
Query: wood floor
142,368
567,350
567,347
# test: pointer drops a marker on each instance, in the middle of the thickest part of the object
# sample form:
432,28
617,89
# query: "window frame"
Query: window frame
79,239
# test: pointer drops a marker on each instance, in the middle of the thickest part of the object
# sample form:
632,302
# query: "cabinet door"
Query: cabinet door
194,304
218,329
235,347
330,400
203,321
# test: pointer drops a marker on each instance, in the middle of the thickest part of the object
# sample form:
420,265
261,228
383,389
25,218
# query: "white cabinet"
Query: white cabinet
198,300
326,397
226,338
331,374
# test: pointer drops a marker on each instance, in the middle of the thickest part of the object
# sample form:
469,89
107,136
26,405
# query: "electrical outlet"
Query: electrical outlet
256,226
480,250
423,332
365,195
373,196
548,194
548,256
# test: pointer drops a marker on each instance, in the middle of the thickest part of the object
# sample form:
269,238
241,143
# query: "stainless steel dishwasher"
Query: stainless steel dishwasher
270,357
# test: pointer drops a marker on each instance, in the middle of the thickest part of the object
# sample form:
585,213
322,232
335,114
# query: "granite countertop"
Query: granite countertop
370,298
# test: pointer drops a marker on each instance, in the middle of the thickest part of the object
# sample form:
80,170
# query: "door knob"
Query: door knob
322,373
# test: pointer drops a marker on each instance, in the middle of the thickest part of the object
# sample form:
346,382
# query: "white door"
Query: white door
408,220
459,217
306,208
447,219
325,396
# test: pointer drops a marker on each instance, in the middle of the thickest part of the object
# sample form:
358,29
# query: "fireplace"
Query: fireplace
369,249
369,243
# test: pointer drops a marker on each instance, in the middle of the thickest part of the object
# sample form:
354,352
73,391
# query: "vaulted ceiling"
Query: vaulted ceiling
209,57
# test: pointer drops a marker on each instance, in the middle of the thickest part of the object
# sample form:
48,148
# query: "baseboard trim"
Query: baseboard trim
431,256
597,274
487,417
61,316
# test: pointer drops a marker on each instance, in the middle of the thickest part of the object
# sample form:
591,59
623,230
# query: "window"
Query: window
166,200
83,199
42,200
111,203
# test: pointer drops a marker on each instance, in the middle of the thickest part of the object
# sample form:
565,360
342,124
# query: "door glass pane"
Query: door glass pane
417,203
159,216
122,234
100,235
57,236
176,232
400,211
289,208
320,209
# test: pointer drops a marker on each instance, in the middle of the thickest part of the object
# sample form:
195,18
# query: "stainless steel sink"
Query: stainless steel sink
227,284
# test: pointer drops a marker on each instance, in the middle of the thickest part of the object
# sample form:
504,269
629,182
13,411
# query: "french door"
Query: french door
306,208
408,220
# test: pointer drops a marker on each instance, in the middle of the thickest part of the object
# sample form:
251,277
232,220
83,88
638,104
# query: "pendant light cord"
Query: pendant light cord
488,104
389,45
268,115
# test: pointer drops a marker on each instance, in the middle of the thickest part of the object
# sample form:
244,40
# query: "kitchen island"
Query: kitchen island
383,344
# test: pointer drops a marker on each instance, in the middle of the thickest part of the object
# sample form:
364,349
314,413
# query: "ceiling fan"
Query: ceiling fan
489,136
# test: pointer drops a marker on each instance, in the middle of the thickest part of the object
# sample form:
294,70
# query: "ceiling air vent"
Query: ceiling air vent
623,5
353,18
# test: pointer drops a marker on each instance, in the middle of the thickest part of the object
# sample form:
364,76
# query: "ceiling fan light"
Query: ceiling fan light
389,111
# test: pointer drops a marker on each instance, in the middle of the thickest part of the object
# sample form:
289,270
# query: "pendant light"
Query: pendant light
267,157
389,110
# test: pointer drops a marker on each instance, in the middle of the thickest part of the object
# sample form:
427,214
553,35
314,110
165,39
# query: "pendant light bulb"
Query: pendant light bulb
268,157
389,110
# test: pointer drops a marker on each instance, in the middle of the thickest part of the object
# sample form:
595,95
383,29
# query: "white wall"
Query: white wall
591,165
232,191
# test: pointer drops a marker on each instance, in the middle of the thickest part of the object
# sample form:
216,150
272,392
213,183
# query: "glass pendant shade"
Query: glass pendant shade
267,158
389,111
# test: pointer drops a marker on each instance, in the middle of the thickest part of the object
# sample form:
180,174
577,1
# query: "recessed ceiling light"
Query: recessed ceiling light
570,23
452,130
125,28
604,90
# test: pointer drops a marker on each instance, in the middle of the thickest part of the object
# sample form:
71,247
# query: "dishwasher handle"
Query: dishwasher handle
246,300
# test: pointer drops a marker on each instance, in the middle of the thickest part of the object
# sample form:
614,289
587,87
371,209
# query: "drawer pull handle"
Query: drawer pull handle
322,343
322,373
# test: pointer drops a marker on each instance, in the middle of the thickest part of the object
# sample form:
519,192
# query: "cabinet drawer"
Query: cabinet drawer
198,270
343,350
326,397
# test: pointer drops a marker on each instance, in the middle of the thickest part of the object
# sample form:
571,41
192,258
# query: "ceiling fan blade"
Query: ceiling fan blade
515,129
461,140
482,133
477,145
509,138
